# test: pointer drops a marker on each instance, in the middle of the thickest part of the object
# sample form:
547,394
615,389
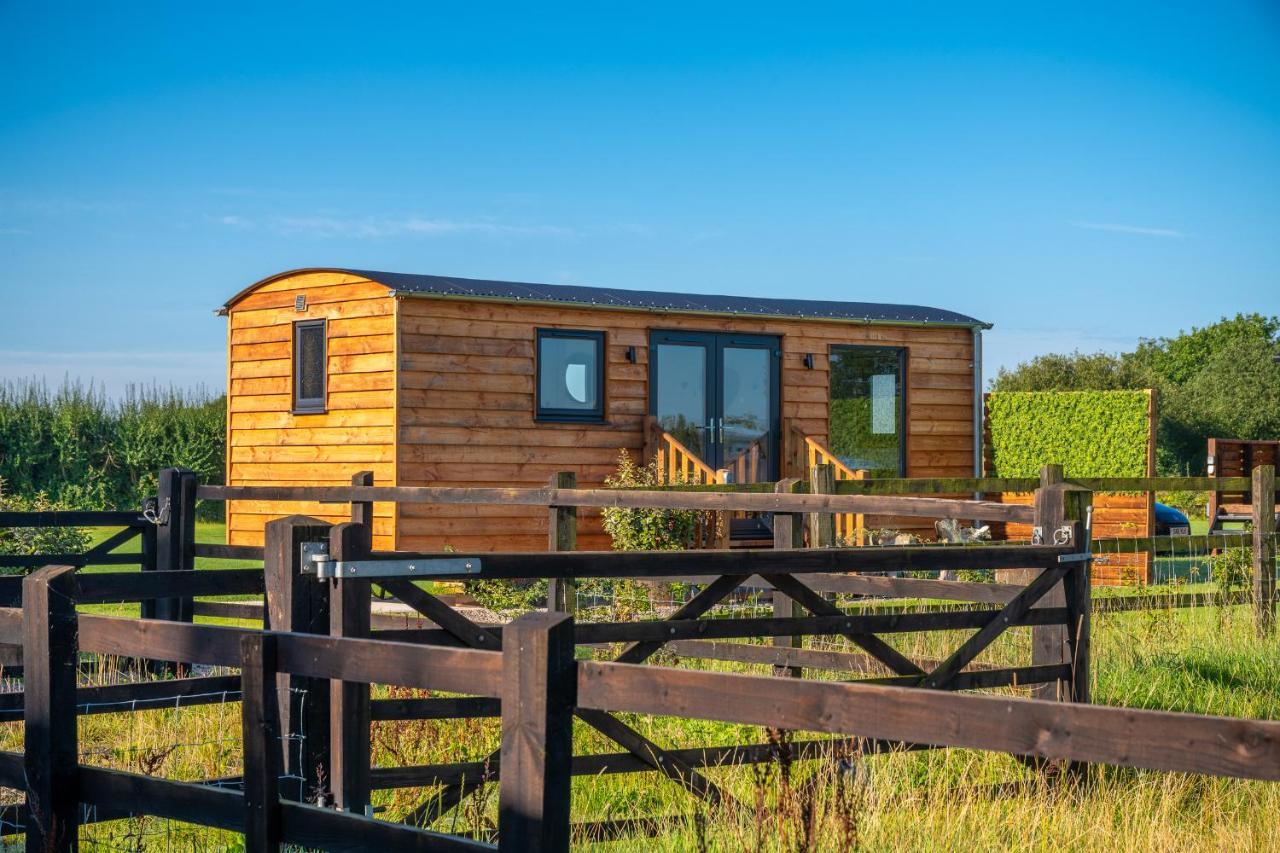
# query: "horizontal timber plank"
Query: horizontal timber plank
382,662
666,499
72,518
989,593
415,776
1189,545
229,552
115,587
312,827
643,564
117,698
215,645
38,560
1155,740
877,623
184,801
435,708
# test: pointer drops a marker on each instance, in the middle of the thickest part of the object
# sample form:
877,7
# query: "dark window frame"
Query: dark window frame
543,414
903,362
310,405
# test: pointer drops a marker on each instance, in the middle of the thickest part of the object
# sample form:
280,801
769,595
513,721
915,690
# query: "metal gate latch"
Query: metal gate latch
315,561
1086,555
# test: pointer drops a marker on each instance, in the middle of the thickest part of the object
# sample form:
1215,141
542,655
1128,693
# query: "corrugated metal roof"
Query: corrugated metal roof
651,300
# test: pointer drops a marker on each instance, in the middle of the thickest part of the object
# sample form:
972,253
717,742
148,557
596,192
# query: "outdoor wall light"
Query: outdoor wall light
808,360
631,354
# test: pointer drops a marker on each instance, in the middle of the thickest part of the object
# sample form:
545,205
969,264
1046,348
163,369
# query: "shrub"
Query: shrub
645,529
1232,569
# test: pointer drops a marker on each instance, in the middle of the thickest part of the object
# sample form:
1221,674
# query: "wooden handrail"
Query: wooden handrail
677,463
850,527
747,466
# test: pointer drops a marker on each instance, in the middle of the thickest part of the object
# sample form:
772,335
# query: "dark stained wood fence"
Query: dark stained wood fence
322,640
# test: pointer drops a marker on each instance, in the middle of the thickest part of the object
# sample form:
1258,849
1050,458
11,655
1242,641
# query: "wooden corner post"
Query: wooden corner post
1264,549
350,600
299,603
52,755
562,535
822,525
539,692
260,726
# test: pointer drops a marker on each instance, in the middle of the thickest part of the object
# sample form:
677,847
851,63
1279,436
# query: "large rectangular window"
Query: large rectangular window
309,366
570,375
867,414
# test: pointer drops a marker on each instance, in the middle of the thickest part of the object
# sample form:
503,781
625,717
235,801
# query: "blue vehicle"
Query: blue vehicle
1171,521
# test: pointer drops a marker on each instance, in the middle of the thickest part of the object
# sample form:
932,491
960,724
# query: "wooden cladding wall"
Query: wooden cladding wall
269,445
466,401
429,391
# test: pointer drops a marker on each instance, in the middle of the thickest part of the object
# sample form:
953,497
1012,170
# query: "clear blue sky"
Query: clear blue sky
1080,176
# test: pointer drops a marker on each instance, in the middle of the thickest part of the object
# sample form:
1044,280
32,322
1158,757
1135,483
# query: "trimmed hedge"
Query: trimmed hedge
1089,433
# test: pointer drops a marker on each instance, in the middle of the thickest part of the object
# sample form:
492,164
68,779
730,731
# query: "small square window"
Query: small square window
570,375
309,366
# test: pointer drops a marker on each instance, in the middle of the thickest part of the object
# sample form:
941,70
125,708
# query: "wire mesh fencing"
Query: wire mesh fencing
183,735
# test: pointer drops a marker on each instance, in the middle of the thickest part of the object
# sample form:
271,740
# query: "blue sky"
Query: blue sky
1080,176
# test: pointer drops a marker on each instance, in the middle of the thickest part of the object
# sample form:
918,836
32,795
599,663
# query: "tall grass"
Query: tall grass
83,450
1203,660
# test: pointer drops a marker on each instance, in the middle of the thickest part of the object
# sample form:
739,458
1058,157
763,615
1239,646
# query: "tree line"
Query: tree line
1222,380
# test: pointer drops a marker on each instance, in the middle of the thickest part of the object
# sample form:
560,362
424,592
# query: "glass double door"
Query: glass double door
717,394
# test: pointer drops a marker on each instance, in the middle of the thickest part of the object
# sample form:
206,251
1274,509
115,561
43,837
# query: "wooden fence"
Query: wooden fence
526,674
324,640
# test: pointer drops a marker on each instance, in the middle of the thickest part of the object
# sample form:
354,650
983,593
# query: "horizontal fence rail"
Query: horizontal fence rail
680,498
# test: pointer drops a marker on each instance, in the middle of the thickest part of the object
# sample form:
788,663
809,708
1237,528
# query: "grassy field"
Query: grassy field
1203,660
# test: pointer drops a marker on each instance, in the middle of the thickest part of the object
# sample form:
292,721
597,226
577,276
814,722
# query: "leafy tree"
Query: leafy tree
1219,380
1077,371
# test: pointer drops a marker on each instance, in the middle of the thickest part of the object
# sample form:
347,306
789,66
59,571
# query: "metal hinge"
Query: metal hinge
315,561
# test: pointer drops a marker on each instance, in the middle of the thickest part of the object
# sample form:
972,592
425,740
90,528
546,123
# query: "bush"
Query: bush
645,529
83,451
1232,569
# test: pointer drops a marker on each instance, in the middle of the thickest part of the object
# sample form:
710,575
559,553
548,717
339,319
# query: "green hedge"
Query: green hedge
1089,433
81,450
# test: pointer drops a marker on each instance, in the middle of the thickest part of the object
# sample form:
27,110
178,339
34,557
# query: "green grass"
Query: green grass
1202,660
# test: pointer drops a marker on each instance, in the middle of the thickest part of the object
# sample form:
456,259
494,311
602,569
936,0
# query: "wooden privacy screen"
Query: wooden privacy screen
1228,457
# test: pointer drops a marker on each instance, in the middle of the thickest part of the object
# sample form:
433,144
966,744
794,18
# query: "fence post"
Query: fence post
51,753
350,600
539,691
723,518
1077,589
1048,642
788,532
562,535
1264,549
260,731
362,511
299,603
175,540
822,531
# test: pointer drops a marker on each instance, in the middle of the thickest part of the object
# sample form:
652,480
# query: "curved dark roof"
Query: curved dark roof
651,300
